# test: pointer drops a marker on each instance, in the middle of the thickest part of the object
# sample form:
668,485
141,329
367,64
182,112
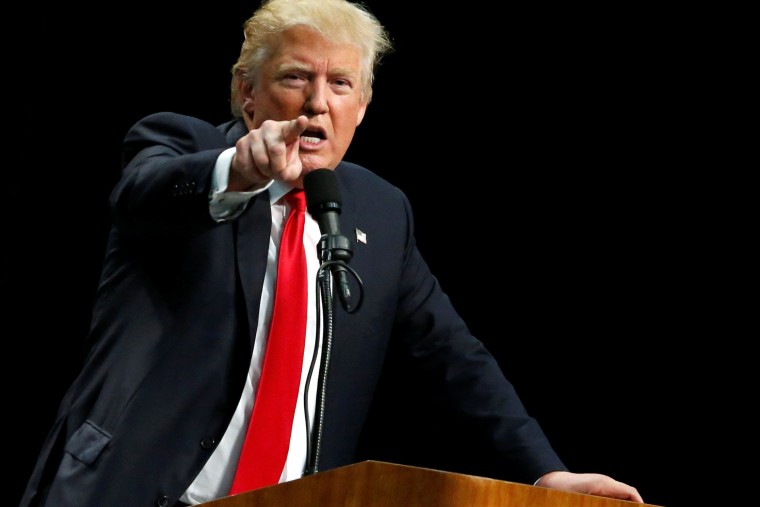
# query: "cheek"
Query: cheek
284,105
350,118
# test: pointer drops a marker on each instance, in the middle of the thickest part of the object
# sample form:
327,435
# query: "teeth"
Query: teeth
310,140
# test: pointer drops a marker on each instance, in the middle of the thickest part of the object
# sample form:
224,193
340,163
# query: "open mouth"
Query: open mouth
312,136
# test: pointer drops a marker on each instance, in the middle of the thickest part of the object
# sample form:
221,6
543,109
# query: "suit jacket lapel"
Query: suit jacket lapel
251,248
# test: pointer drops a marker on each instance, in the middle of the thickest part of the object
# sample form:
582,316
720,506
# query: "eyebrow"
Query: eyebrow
302,67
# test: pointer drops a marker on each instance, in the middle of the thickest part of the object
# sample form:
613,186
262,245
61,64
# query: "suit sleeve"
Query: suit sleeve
462,377
167,163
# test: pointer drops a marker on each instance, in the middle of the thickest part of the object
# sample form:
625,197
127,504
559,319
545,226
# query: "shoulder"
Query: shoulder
364,191
166,120
180,132
355,178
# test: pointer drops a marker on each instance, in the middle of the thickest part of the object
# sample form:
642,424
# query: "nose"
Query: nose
316,99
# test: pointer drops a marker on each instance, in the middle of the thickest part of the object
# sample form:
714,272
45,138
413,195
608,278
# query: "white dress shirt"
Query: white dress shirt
215,479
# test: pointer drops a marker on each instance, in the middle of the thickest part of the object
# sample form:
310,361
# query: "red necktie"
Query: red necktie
266,443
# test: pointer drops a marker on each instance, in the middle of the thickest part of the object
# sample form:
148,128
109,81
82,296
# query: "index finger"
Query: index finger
294,129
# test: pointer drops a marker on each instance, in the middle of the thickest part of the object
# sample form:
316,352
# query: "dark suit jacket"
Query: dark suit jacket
175,318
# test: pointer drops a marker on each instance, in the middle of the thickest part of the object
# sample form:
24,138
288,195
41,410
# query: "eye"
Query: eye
342,85
292,78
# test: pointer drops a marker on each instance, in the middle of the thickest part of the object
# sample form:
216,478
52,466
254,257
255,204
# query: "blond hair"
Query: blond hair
340,21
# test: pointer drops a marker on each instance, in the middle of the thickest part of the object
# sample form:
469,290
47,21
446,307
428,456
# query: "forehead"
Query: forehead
303,45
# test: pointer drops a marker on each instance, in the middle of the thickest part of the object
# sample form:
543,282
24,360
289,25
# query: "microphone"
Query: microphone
324,204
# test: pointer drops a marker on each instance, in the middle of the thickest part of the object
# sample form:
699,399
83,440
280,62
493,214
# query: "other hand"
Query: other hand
590,484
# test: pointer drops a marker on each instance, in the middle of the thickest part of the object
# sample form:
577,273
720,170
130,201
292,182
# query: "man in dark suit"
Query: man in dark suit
179,329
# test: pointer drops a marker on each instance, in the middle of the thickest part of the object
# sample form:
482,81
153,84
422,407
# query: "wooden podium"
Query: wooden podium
380,484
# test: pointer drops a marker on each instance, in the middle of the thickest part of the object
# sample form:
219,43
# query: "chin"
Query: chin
309,164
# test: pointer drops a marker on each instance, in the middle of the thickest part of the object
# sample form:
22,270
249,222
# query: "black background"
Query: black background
526,140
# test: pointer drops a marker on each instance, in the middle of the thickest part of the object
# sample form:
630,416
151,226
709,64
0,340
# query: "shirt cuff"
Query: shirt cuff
225,206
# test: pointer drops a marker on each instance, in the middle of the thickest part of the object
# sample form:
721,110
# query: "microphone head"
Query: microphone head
322,192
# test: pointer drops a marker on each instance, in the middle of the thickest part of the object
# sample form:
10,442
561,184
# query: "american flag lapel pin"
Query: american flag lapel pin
361,237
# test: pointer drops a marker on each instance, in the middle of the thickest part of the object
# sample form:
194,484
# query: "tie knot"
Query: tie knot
297,199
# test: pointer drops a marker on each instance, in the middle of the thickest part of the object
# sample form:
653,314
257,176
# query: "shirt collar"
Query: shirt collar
277,190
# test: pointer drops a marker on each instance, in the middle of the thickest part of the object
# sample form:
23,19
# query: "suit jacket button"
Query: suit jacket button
208,443
163,501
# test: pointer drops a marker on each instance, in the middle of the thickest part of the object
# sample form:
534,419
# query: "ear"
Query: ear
360,113
245,92
248,107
